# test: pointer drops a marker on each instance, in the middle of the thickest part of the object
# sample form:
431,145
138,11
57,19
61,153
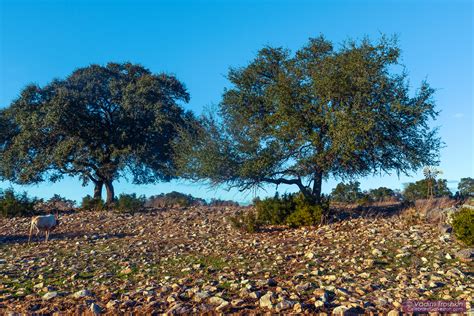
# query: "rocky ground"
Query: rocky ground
193,261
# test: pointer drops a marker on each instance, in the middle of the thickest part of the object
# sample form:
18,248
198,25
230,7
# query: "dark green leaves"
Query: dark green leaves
318,113
100,123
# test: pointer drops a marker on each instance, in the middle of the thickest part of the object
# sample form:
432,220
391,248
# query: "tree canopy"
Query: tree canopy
348,193
321,112
421,189
100,123
466,187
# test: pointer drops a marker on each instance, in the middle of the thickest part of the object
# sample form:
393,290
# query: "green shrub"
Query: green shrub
247,222
293,210
12,204
307,213
91,204
275,210
463,226
130,202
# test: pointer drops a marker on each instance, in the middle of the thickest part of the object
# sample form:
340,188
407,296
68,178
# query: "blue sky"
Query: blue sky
199,40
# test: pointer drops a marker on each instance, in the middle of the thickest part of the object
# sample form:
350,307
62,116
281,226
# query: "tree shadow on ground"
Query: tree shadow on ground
23,238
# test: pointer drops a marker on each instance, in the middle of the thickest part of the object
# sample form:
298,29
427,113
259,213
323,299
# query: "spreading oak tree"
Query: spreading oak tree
100,123
322,112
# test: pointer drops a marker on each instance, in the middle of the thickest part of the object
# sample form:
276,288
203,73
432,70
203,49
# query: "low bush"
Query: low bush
91,204
275,210
12,204
247,222
307,213
463,225
293,210
130,203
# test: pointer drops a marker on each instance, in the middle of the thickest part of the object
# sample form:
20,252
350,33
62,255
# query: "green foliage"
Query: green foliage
248,222
381,194
57,202
306,213
174,199
299,118
293,210
12,204
463,225
466,187
219,202
420,189
91,204
129,203
274,211
347,193
86,125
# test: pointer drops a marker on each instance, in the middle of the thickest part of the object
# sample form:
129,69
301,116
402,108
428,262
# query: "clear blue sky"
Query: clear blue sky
199,40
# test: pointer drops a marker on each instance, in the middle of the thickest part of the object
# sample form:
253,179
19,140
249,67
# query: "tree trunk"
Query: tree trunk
318,181
98,189
110,192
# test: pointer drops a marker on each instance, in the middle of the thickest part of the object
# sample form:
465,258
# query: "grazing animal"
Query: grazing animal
44,223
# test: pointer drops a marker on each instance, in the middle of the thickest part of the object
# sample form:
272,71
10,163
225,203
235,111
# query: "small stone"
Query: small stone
237,302
310,255
95,308
445,228
297,308
377,252
283,305
272,282
393,312
127,270
200,296
255,295
50,295
223,305
330,277
448,256
82,293
303,287
112,304
327,296
266,300
216,300
339,310
318,304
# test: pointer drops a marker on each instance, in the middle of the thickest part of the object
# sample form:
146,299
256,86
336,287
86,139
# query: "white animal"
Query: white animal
44,223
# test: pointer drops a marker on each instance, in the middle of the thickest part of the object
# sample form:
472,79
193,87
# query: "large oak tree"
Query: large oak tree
100,123
322,112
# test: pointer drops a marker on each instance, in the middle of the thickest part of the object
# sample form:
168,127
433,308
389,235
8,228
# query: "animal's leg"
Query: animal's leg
47,235
38,233
31,231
